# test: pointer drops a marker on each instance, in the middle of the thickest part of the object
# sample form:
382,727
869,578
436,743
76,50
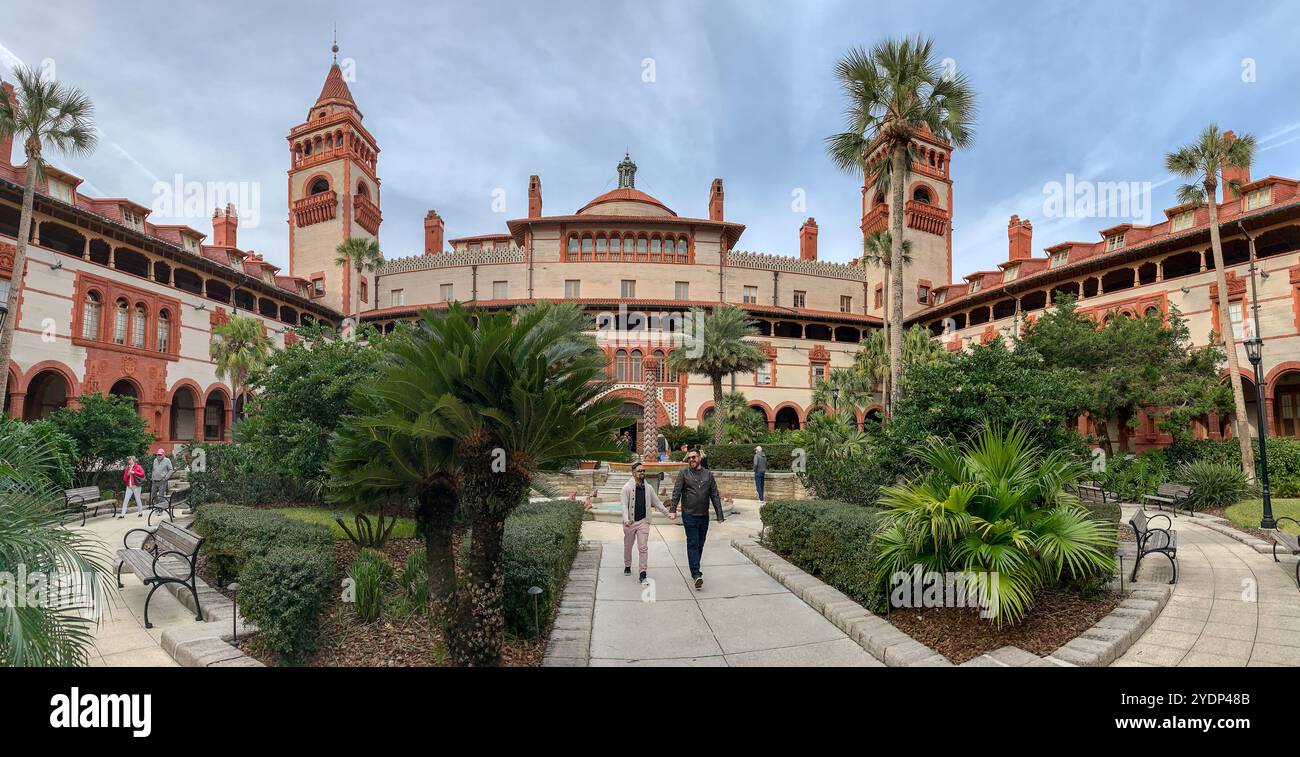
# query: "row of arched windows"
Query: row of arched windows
129,324
628,367
645,248
334,140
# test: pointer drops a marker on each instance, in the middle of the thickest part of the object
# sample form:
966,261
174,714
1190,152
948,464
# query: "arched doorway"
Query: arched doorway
787,418
214,416
48,391
1286,404
124,388
184,405
633,429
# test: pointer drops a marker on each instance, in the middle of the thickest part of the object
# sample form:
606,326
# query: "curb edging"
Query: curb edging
569,645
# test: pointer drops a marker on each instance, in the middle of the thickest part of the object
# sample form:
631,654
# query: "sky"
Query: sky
467,99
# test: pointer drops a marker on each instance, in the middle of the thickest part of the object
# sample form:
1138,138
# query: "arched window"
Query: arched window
602,248
362,190
620,367
922,195
586,248
636,376
642,247
661,367
615,248
138,320
164,336
681,250
319,186
656,248
573,248
119,322
90,316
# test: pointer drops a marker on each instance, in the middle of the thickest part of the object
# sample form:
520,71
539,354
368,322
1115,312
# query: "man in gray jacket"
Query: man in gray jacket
694,491
760,472
162,471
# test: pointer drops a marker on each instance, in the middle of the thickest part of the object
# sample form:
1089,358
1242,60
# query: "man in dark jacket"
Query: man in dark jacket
694,491
760,473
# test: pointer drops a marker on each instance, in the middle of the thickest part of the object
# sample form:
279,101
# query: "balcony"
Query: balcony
367,214
315,209
927,218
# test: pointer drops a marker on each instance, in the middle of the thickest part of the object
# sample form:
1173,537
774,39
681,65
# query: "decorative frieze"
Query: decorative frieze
451,260
767,262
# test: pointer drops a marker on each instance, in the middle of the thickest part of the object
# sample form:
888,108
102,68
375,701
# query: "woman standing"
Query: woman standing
132,477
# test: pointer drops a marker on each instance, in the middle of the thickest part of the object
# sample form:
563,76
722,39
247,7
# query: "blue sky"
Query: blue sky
467,99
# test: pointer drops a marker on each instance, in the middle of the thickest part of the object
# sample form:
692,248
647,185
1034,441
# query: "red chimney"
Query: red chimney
7,143
432,233
715,200
1020,239
808,240
225,225
1242,175
534,197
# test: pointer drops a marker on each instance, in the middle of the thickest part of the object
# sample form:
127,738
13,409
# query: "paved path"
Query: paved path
121,640
1232,606
742,617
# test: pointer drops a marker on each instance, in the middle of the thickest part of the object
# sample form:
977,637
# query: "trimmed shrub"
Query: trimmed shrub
370,574
1213,484
284,592
855,480
1283,454
741,456
233,474
832,540
1131,478
540,542
236,535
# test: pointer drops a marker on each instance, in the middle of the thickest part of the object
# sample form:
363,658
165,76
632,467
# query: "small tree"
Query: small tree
105,430
240,347
718,349
362,253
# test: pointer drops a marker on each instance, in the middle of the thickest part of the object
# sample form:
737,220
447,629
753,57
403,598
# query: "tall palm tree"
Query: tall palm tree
33,541
844,388
896,91
240,346
362,253
50,115
718,348
1202,161
876,249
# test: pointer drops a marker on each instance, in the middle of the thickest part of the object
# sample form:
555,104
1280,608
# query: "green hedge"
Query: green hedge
541,540
235,535
741,456
284,592
1283,454
832,540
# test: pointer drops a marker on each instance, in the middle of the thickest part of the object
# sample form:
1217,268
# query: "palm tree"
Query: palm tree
33,541
876,249
844,388
463,416
240,346
718,348
1202,161
51,115
999,510
895,92
362,253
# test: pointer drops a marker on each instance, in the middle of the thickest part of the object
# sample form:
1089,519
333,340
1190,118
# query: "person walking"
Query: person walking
162,471
694,491
662,444
637,499
760,472
132,478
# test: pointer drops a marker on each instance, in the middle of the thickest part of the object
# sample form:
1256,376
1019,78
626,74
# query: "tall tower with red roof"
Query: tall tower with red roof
333,194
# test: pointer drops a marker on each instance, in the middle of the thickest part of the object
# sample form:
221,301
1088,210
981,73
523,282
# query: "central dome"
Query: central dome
627,200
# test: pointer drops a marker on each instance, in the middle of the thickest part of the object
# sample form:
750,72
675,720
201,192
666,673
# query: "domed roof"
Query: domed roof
627,200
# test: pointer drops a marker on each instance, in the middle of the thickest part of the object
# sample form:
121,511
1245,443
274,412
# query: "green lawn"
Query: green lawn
324,516
1247,512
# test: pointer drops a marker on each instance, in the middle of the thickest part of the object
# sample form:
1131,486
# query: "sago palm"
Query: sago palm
717,346
56,628
240,346
1202,161
361,253
895,92
998,511
47,115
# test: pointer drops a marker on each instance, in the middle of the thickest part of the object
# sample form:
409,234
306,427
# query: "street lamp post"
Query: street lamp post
1255,352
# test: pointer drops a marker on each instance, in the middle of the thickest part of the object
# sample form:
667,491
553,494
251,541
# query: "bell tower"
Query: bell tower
333,192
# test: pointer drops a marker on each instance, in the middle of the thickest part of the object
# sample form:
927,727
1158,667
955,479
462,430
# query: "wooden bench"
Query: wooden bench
1152,540
169,540
1172,495
1092,493
165,505
84,498
1289,542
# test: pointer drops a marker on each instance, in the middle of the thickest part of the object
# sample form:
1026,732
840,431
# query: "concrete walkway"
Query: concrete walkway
121,640
1231,607
742,617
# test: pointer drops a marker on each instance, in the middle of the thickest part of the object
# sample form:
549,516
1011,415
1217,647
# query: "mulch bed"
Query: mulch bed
960,634
391,641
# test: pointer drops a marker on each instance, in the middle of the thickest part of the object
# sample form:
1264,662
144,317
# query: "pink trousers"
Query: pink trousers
639,532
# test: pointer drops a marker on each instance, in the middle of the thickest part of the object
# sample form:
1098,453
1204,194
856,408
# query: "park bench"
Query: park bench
1093,493
164,505
1152,540
1289,542
169,541
1172,495
84,498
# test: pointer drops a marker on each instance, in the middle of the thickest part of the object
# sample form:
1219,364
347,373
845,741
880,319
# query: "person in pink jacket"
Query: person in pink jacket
132,477
636,498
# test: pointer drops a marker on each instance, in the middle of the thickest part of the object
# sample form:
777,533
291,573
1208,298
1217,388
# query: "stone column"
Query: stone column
650,402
